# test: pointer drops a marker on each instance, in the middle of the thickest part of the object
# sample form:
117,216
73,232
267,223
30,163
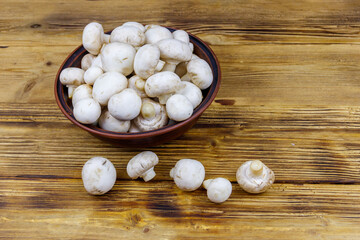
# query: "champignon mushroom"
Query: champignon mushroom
133,128
72,76
179,108
174,51
147,61
169,67
81,92
98,175
125,105
142,165
118,57
97,62
199,72
162,83
128,34
153,116
138,84
255,177
71,89
218,189
91,74
107,85
108,122
87,111
188,174
181,35
93,37
135,24
155,33
192,92
87,61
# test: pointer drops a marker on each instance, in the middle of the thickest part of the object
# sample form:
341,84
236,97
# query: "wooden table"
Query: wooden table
290,97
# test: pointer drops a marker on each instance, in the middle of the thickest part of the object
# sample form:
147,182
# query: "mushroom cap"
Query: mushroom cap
108,84
146,60
174,51
125,105
92,37
155,33
108,122
118,57
72,76
181,35
87,111
128,34
162,83
200,73
139,88
97,62
159,120
98,175
91,74
179,108
188,174
141,163
81,92
192,92
218,189
135,24
86,61
254,183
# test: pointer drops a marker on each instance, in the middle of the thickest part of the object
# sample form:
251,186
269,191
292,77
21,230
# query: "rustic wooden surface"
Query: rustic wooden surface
290,96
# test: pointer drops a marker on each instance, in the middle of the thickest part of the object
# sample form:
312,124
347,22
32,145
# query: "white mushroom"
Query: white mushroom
218,189
107,85
86,61
81,92
125,105
147,61
163,98
162,83
155,33
153,116
142,165
128,34
192,92
174,51
255,177
72,76
98,175
169,67
188,174
118,57
93,37
200,73
133,128
108,122
71,89
87,111
135,24
181,35
91,74
138,84
179,108
97,62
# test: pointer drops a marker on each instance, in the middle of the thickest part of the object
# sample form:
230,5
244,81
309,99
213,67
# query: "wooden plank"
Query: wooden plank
60,208
301,144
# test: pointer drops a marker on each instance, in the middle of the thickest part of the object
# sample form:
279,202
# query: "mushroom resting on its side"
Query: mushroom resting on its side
188,174
142,165
98,175
218,189
255,177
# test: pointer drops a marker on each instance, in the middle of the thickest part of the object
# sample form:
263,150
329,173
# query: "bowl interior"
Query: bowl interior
74,60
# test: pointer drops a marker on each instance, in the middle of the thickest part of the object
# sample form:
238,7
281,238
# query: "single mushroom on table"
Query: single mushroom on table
153,116
218,189
255,177
188,174
142,165
98,175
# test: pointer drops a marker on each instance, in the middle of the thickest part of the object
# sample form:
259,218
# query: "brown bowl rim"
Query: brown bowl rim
123,136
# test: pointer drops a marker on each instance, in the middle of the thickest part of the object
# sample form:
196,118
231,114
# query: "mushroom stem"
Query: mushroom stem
159,66
148,110
207,183
256,167
106,38
149,174
186,77
140,84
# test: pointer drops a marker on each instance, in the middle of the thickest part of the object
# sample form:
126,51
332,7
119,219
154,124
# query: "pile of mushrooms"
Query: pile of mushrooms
136,78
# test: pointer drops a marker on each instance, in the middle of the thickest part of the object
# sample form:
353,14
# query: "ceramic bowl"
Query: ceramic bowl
149,138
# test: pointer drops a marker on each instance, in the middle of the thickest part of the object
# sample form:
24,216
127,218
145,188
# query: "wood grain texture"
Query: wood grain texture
289,97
